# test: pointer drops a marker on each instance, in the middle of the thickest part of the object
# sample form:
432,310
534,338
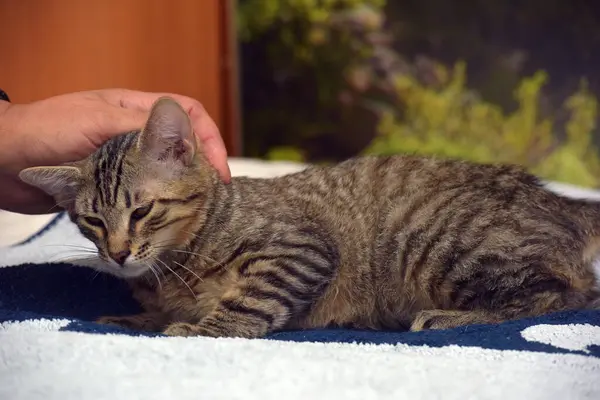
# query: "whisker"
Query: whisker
67,245
191,233
96,273
178,276
72,257
167,247
81,248
151,268
79,262
202,256
189,270
61,204
153,260
160,270
165,243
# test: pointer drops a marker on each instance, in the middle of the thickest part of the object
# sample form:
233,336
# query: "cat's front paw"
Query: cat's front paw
121,322
429,319
184,329
139,322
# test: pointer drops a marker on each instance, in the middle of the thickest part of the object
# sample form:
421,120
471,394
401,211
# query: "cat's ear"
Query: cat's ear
168,134
60,182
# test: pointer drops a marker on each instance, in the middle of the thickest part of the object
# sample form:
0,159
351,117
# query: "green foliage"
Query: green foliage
257,16
325,79
300,53
303,26
450,122
285,153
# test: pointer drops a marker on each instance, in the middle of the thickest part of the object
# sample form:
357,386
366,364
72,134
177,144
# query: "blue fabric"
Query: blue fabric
79,294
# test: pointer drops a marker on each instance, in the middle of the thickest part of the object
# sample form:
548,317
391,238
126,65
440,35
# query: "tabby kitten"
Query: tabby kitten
398,242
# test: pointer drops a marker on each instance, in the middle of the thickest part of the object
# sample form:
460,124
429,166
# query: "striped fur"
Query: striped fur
399,242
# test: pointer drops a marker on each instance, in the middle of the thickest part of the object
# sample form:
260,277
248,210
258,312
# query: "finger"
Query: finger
115,121
204,126
217,156
134,99
129,120
211,141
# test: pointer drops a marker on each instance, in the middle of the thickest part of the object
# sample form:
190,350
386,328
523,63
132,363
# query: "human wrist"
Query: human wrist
7,136
4,105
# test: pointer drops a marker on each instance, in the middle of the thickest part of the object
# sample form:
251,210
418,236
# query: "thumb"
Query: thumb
122,120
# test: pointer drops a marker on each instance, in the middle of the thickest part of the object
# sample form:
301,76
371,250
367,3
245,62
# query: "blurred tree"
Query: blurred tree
321,77
502,40
451,122
297,55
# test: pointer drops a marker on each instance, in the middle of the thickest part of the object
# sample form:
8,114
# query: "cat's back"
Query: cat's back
359,192
333,195
364,203
364,186
356,200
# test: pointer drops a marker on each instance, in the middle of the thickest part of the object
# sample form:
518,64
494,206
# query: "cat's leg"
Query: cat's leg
147,321
503,293
247,312
222,324
447,319
237,316
152,319
145,292
266,296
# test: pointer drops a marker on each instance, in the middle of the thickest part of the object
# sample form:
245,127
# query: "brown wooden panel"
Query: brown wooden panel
50,47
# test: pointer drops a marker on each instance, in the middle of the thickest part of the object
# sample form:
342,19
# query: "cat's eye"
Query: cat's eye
94,221
141,212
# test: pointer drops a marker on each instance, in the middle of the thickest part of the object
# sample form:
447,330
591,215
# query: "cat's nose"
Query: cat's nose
121,256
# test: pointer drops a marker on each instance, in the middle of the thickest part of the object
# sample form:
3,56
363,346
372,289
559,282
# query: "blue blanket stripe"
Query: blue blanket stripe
42,231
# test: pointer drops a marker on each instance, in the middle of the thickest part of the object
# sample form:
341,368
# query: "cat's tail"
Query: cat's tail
586,213
594,303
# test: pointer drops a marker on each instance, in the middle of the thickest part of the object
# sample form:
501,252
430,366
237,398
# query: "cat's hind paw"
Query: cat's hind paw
428,319
448,319
184,329
121,322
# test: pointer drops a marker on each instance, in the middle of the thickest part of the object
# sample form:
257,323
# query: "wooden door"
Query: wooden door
49,47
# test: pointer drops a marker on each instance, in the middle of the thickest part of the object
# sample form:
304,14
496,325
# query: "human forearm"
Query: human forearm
14,195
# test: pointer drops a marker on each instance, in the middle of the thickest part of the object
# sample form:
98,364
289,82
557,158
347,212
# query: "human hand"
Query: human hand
70,127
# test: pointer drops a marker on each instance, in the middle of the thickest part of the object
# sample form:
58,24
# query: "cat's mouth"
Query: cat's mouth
129,269
133,271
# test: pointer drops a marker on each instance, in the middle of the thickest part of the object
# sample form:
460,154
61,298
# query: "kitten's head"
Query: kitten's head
139,194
